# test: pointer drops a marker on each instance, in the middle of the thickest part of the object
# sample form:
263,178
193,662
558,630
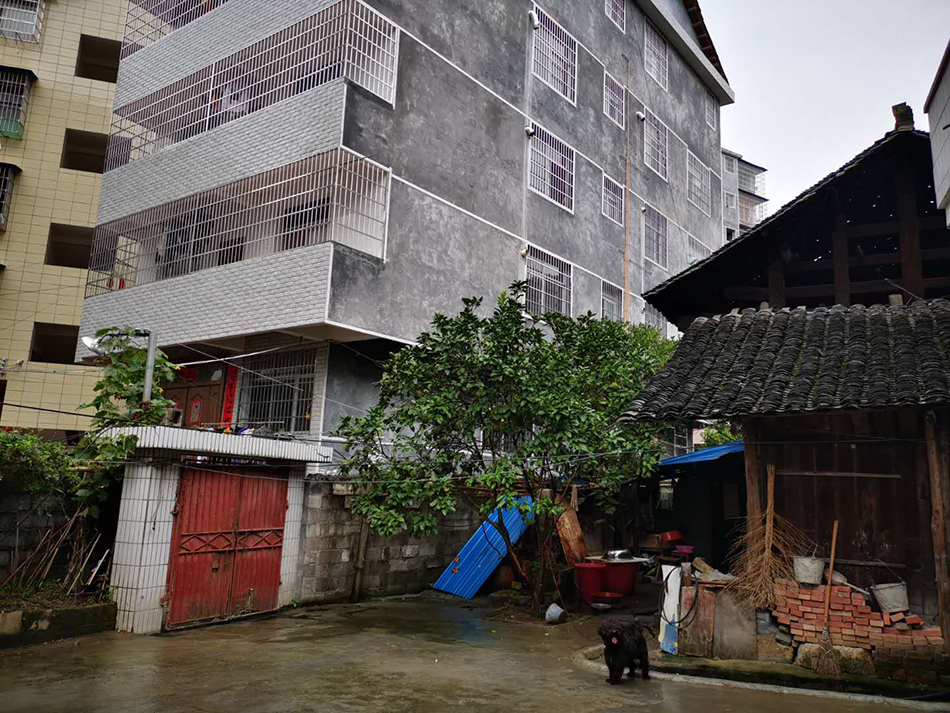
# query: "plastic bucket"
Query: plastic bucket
621,577
891,597
590,578
808,570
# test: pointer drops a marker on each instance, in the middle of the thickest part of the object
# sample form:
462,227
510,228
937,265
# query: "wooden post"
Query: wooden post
753,470
360,560
776,276
912,276
937,447
839,241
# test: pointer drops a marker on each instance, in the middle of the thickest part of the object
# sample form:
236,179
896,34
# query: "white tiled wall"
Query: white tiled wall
289,560
142,546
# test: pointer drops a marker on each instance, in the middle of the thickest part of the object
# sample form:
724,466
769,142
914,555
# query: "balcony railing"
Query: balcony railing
347,39
336,196
8,174
150,20
21,20
14,98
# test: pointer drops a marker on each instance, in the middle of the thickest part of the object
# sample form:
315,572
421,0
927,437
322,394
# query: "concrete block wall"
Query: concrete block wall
394,565
23,522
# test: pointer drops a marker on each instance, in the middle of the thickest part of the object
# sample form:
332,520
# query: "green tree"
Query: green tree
33,463
488,409
719,433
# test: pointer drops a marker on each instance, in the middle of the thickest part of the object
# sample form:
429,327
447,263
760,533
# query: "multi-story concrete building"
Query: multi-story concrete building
316,179
58,64
937,108
743,195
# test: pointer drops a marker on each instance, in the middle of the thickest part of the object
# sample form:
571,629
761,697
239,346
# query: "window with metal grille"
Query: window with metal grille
729,164
656,144
655,54
277,391
615,11
21,19
551,170
549,284
346,39
654,235
613,202
698,183
653,317
14,98
555,56
8,174
335,196
151,20
712,109
697,250
614,100
611,302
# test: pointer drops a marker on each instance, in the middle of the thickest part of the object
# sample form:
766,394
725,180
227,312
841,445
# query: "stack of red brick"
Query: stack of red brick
851,622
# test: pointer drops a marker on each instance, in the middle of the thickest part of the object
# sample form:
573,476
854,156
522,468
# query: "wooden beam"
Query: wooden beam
753,469
829,264
837,474
936,254
839,247
908,229
857,288
938,446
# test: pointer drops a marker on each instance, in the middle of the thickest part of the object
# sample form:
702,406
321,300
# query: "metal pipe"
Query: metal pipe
149,368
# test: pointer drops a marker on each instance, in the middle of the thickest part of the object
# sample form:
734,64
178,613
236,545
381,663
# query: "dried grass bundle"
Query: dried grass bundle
763,554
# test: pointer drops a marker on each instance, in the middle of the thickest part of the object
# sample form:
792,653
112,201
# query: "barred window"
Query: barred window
697,250
277,391
8,174
21,19
555,56
655,235
655,54
699,186
611,302
336,196
551,170
613,202
615,100
729,164
14,97
150,20
346,39
549,284
656,144
712,109
615,11
653,317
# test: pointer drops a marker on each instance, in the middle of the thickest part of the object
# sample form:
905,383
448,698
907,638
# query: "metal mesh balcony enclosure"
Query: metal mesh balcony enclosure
151,20
8,174
752,179
14,98
337,196
277,391
21,19
549,283
347,39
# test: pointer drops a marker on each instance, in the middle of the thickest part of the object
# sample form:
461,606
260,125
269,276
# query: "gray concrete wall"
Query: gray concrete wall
394,565
939,116
730,217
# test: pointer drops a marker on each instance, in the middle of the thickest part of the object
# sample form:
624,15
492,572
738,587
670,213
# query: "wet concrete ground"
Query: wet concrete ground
414,655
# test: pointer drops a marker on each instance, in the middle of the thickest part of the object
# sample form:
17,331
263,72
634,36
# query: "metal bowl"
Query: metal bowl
618,555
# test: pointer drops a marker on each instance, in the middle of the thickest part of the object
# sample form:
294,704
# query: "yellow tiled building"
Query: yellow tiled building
58,60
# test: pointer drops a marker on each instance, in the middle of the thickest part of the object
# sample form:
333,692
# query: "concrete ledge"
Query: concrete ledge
22,628
779,678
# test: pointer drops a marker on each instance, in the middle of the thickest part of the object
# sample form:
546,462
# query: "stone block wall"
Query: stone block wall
394,565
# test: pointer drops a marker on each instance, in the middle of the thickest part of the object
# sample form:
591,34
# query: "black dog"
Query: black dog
624,645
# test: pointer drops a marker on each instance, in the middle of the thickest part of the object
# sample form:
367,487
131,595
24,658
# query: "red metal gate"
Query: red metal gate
226,546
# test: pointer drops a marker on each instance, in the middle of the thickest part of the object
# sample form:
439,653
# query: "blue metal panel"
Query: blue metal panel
704,454
481,554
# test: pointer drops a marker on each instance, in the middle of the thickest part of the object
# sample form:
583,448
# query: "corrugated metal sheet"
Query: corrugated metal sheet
481,554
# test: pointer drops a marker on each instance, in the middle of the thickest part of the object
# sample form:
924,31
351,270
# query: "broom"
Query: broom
827,662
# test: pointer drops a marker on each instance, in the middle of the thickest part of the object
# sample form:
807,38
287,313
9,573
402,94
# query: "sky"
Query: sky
815,79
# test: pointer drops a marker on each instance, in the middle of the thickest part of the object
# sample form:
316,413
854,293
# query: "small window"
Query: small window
656,144
8,174
697,250
699,186
613,200
729,163
15,87
549,283
555,56
21,20
730,234
712,110
615,100
54,343
731,200
653,317
655,235
551,168
655,54
69,246
84,150
615,11
611,302
98,58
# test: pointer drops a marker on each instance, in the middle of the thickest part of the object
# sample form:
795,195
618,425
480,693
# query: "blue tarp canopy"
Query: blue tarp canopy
704,454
